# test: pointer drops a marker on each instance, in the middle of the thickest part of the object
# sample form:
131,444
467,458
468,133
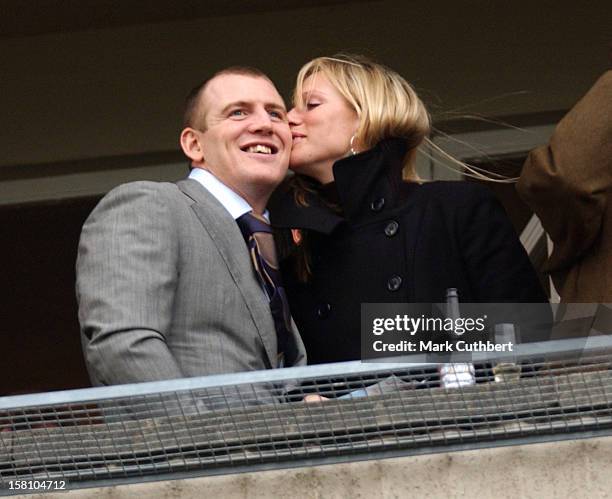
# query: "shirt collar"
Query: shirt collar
233,202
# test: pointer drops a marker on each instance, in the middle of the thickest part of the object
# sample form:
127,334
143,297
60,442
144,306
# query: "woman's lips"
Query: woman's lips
298,137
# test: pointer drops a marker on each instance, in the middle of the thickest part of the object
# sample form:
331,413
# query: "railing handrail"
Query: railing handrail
421,361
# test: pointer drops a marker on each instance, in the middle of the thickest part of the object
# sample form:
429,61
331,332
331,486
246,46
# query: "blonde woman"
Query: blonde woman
356,225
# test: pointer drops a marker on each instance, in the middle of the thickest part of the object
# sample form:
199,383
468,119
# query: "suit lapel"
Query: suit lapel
226,235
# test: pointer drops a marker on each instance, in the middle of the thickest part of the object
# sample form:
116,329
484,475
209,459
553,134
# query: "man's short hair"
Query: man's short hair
193,115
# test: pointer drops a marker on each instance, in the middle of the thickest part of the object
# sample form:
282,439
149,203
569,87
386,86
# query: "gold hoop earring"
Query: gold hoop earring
353,152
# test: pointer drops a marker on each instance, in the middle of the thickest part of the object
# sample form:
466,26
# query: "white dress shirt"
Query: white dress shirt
233,202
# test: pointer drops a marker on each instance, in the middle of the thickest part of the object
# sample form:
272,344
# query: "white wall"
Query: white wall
572,468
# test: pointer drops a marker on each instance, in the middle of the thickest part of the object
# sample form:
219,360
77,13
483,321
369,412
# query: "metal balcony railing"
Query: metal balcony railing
258,420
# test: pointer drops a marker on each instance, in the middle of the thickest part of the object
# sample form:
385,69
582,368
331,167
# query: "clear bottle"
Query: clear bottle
455,374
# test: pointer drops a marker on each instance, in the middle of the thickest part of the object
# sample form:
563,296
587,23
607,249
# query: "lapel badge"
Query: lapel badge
296,234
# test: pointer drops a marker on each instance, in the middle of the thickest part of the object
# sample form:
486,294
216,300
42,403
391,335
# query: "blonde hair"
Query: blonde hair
385,103
387,107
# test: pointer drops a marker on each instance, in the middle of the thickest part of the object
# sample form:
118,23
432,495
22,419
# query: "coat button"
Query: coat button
377,204
394,283
323,310
391,228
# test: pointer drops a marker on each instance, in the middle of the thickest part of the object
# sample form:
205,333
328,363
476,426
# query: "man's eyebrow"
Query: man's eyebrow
239,103
275,106
249,104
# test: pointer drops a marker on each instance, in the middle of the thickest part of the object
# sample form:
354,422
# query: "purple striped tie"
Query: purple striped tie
259,238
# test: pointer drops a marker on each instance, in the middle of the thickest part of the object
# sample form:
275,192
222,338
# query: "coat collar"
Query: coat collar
360,180
285,212
370,175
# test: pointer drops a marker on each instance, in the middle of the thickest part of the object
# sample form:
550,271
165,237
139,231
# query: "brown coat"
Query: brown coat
568,183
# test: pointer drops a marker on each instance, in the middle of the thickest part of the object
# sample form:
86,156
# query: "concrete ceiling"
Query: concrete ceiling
34,17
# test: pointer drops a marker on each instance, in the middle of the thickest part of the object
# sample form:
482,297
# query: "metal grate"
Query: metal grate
248,419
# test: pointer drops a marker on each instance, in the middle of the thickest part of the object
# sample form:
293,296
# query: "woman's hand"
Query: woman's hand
315,398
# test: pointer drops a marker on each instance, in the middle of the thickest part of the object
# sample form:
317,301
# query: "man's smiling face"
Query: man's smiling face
247,142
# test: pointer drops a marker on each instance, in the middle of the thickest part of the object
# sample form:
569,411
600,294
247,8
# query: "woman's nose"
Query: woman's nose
294,117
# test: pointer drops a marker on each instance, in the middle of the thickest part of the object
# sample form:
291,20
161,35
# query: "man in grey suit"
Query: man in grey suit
165,284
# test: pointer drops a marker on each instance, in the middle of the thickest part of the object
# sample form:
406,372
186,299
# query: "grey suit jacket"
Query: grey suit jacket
166,289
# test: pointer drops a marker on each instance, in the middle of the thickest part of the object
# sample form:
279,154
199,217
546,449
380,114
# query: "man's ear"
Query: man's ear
190,143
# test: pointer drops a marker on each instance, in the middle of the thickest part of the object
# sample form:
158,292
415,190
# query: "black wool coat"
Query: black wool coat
393,242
